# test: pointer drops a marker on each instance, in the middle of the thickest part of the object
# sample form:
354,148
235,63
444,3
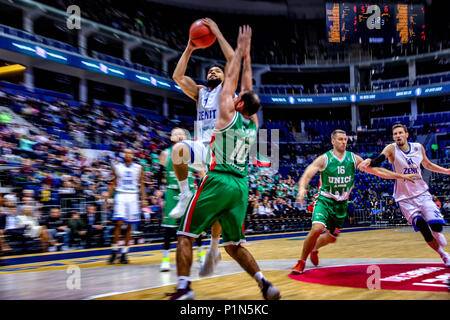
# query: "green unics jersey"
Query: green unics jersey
171,178
337,179
230,146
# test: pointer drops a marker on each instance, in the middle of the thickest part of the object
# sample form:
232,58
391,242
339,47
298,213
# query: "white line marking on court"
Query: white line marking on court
153,287
430,285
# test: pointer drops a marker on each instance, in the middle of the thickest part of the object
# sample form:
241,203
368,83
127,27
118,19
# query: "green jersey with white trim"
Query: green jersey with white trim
230,146
338,176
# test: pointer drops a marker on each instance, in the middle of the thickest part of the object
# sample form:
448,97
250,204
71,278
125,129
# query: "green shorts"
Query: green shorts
330,213
171,200
220,197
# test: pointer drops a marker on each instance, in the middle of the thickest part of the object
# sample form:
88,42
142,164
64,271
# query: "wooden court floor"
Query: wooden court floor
275,256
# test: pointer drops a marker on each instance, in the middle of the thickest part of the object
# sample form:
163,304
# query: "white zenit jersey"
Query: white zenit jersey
408,163
127,177
207,113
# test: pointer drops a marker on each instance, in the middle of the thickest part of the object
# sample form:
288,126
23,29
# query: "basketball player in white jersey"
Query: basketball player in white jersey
414,200
127,183
193,153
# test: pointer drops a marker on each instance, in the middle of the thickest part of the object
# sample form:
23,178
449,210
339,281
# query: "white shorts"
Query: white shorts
126,207
199,152
421,207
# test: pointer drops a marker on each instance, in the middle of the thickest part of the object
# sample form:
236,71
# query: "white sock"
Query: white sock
200,249
215,244
182,282
165,253
115,247
124,249
184,186
258,276
441,251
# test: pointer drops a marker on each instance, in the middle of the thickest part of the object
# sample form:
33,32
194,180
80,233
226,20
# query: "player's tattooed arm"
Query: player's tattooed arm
187,85
316,166
427,164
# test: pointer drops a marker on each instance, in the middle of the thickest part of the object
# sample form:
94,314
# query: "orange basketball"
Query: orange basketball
200,34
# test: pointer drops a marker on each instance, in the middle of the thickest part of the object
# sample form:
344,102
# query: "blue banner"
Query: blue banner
86,63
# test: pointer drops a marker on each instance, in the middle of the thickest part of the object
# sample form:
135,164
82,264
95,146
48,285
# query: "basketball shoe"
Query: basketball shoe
299,267
165,264
269,291
181,206
124,258
314,257
183,294
211,260
113,256
446,258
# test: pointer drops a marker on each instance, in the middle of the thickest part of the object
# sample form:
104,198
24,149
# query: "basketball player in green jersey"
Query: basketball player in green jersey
169,224
337,169
223,193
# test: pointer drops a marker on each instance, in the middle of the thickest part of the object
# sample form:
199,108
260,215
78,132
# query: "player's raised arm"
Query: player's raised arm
227,108
387,153
427,164
384,173
226,48
316,166
247,74
187,85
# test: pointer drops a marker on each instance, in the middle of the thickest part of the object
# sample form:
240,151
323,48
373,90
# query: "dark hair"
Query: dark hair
218,65
251,103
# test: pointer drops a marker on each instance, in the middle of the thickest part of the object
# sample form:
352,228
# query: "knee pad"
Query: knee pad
422,226
436,227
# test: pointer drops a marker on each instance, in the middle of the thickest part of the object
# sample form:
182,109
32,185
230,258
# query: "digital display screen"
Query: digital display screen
375,23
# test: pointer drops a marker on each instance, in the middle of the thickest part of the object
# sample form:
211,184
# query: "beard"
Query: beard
212,83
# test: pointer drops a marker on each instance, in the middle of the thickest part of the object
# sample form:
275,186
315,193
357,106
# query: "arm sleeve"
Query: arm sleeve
378,160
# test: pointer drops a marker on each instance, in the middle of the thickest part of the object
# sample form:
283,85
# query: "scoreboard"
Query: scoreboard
375,23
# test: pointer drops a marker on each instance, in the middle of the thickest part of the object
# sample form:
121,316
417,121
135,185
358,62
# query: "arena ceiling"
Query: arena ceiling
302,9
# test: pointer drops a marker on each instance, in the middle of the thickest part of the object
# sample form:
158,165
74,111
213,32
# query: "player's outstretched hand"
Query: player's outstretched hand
211,25
364,164
244,38
411,177
301,195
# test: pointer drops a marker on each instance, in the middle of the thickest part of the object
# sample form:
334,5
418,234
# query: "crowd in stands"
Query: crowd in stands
60,199
296,44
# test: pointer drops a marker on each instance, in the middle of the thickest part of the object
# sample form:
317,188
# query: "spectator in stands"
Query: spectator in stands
438,203
32,228
57,228
3,245
375,213
351,212
446,206
77,228
95,227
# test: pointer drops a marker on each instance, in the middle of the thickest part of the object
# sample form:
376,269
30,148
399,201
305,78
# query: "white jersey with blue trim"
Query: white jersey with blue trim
207,113
127,177
408,163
